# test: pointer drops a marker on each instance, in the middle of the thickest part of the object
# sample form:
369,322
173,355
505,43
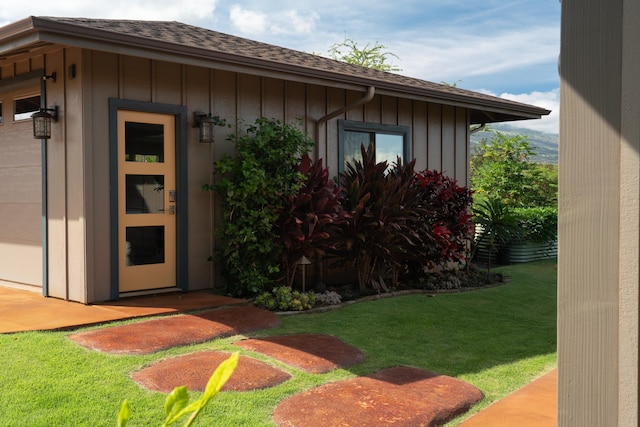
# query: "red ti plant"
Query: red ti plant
309,219
381,232
446,225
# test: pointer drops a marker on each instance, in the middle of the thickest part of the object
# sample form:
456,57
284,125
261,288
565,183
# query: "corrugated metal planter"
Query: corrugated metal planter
529,250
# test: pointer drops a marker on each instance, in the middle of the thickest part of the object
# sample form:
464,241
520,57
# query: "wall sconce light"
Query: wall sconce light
42,122
206,123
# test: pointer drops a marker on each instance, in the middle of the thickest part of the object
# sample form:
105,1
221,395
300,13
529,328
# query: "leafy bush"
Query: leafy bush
252,185
539,224
309,220
501,168
284,299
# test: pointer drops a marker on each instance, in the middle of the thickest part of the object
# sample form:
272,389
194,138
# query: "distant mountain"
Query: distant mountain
545,144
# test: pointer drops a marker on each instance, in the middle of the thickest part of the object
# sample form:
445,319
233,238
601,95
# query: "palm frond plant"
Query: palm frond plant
494,223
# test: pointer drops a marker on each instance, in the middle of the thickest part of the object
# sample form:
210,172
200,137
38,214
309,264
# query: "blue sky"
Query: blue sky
502,47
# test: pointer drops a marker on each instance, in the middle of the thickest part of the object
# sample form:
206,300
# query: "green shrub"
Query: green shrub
252,186
284,299
539,224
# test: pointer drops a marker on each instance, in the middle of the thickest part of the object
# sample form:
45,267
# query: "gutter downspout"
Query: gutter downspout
371,91
45,214
477,129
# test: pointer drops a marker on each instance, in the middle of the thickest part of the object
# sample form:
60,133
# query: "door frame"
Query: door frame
180,114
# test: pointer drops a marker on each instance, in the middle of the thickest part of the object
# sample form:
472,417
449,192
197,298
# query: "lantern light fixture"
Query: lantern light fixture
206,123
42,122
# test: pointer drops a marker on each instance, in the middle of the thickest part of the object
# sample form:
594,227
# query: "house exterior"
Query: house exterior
599,214
111,204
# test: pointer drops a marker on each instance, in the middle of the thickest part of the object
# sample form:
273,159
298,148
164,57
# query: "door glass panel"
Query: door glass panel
144,142
145,194
145,245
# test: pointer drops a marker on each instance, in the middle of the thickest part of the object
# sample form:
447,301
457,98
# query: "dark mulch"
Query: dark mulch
159,334
400,396
314,353
193,371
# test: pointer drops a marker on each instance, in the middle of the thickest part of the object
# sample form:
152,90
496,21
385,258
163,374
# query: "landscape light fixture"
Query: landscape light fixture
42,122
206,123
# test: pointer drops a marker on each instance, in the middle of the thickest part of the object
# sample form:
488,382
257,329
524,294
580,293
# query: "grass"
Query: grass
498,339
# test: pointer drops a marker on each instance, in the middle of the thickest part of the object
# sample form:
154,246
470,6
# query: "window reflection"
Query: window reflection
145,245
144,142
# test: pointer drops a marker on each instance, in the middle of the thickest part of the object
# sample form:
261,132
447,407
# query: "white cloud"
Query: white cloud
248,21
463,55
280,23
291,22
549,100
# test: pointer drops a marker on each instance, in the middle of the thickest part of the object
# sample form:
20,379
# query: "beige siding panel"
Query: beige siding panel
405,118
23,66
389,110
317,108
295,105
225,105
591,221
6,71
101,84
249,105
167,83
373,110
629,264
419,135
335,101
273,99
448,141
434,132
135,78
355,114
76,162
57,184
462,147
37,62
199,167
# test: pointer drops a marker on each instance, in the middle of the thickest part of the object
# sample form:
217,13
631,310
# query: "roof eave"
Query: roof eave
33,30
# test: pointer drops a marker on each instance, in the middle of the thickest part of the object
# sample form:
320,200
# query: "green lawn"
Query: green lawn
497,339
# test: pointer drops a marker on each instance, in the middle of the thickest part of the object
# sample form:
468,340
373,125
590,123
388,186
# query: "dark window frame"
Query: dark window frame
372,128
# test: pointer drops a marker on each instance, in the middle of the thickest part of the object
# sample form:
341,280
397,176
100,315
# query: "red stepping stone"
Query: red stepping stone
193,371
314,353
400,396
159,334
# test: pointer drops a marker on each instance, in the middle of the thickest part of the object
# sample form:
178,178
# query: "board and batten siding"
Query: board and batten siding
78,153
599,214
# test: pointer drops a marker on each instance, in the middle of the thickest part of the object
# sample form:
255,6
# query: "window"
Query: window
23,108
389,142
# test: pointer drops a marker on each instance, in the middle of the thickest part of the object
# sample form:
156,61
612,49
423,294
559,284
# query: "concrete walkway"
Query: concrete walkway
533,405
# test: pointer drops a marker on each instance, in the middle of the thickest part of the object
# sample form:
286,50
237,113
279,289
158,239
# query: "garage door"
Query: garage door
20,190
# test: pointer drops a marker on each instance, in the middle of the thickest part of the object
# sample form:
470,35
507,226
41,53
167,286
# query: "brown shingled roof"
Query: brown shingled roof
187,40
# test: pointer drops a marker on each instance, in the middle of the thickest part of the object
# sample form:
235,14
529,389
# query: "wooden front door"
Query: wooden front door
146,201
